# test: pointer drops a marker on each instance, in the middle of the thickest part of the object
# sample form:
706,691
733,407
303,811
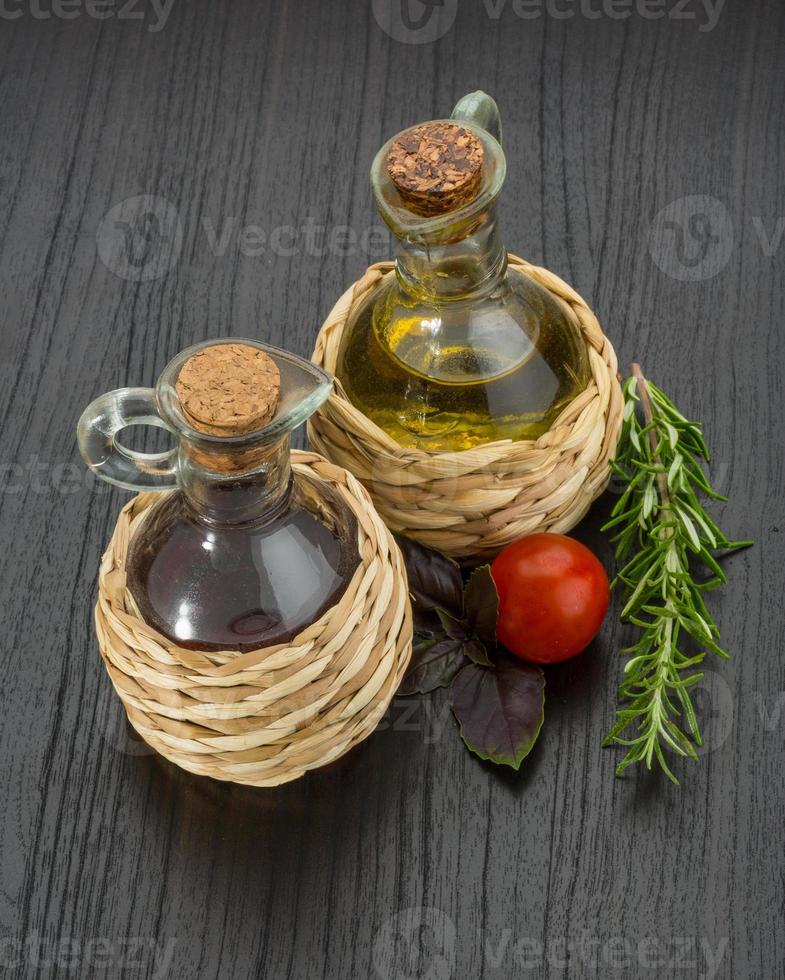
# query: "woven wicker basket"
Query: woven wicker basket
267,716
471,504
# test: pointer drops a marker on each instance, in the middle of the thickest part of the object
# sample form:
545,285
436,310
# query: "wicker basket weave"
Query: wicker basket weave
470,504
267,716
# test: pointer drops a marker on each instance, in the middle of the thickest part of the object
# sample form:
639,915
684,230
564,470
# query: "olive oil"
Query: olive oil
457,349
465,372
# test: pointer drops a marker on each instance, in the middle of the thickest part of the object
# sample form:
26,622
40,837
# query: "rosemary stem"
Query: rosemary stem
648,414
659,524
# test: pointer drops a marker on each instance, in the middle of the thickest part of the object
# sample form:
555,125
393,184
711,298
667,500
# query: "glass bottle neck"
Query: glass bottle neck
248,486
453,270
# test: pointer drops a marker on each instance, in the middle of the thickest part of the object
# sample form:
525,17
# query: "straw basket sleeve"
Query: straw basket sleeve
470,504
264,717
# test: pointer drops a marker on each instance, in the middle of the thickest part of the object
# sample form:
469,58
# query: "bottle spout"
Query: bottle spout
481,110
300,388
304,387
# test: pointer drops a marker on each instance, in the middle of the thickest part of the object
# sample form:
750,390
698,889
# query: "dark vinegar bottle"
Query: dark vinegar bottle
245,552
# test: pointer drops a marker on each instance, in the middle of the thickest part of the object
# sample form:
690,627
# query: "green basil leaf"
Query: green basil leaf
499,711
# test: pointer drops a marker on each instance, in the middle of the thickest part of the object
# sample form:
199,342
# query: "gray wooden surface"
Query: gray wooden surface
646,167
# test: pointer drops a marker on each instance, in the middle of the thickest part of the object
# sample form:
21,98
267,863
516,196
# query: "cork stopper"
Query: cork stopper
229,389
436,167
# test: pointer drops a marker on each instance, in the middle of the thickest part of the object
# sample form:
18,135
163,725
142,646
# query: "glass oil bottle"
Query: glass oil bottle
458,348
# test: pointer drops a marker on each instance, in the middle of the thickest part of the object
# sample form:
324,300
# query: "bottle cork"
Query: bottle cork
436,167
229,389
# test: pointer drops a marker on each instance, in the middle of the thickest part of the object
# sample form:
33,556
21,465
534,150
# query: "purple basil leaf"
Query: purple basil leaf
482,605
500,711
475,650
434,581
427,623
421,641
432,665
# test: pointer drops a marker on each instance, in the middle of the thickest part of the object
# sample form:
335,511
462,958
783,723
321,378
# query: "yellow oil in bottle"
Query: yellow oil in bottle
461,373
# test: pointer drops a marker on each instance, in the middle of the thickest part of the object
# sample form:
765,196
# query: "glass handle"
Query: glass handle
481,110
97,434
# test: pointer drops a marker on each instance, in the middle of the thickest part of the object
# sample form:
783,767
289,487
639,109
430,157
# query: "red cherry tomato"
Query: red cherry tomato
553,597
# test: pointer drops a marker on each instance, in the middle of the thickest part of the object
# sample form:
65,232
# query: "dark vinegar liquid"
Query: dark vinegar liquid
239,588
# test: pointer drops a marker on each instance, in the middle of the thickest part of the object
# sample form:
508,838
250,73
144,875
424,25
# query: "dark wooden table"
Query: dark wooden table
646,167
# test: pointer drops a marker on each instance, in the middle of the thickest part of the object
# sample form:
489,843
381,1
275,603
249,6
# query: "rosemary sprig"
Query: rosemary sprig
662,532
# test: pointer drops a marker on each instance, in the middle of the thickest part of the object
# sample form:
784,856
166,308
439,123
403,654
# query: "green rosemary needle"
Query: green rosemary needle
662,532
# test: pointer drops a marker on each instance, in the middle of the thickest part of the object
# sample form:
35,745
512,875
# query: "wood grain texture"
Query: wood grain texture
407,859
